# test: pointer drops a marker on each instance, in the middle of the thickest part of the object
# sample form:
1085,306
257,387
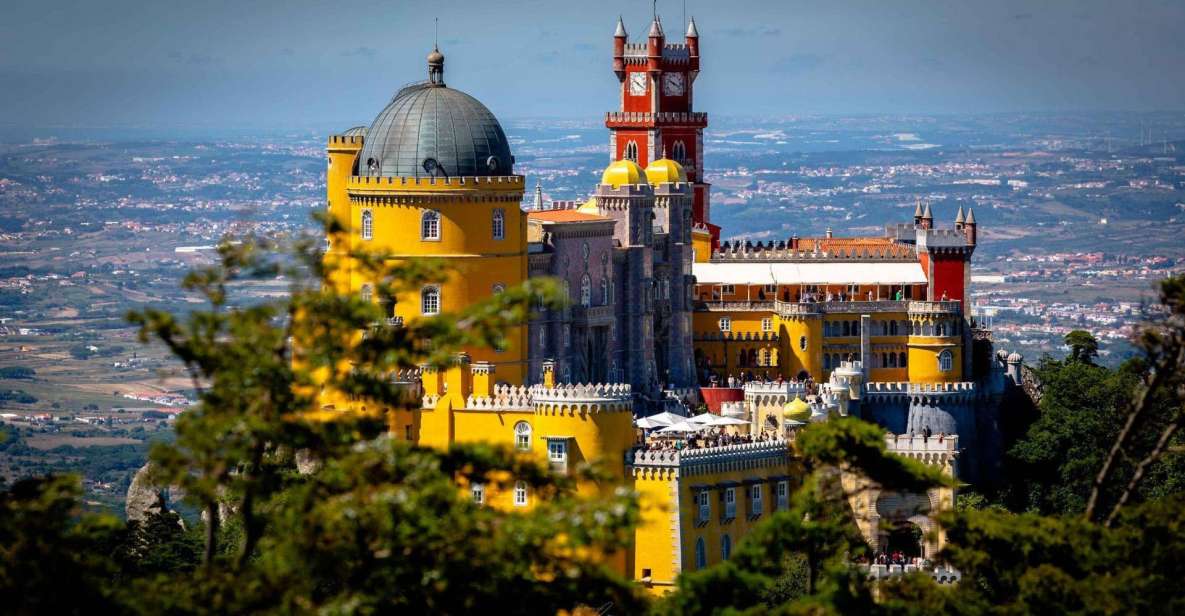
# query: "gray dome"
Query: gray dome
430,129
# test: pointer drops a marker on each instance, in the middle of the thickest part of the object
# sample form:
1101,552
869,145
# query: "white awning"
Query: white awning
832,272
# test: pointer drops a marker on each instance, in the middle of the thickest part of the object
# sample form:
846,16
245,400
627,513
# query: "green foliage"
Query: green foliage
1084,347
17,395
17,372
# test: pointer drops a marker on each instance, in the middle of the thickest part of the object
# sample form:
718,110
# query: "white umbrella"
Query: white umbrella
661,420
685,427
704,418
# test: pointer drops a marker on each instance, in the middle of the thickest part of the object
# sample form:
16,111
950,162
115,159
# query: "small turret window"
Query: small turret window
946,361
679,151
499,224
631,151
367,225
430,301
585,291
430,225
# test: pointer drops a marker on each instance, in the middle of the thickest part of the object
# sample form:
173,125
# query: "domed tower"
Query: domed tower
433,176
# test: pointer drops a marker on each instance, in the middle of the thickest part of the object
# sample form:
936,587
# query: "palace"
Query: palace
663,316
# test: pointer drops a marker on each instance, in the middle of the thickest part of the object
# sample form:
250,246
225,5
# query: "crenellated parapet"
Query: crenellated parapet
792,250
571,398
505,398
963,392
936,450
708,460
400,190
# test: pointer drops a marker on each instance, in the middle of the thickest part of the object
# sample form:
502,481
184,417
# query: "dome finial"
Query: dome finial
436,59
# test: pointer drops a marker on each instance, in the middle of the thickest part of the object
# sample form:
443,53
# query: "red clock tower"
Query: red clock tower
656,118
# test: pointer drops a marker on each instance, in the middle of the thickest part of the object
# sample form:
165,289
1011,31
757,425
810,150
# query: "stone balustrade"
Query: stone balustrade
940,574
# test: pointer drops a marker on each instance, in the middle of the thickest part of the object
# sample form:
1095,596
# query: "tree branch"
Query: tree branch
1161,444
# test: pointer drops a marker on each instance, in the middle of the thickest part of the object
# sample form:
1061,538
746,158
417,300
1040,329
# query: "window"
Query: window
430,300
756,499
498,224
520,494
730,503
705,506
901,360
585,291
701,554
783,494
725,547
770,288
557,451
631,151
407,433
725,324
522,436
892,328
584,251
767,324
854,291
430,225
367,225
826,361
604,292
542,337
946,361
890,360
498,288
679,151
478,490
366,293
802,343
727,289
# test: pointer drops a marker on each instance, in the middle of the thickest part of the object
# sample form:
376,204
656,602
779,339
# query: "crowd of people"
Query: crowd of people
712,437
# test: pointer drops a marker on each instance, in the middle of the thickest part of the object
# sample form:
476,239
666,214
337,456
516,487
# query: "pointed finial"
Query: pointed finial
538,195
970,216
928,215
691,31
917,210
959,218
620,32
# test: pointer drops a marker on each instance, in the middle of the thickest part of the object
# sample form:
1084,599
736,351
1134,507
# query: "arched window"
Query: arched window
892,328
522,436
499,224
701,554
679,151
855,328
430,300
604,292
946,361
725,547
892,363
847,328
802,343
835,360
826,361
585,291
498,288
520,494
367,225
631,151
901,358
366,293
430,225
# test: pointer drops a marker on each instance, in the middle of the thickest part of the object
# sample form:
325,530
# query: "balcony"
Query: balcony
833,307
947,307
590,314
736,306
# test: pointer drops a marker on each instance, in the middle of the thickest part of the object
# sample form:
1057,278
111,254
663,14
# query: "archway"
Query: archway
905,537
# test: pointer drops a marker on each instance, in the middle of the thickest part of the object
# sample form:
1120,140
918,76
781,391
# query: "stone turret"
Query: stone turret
619,39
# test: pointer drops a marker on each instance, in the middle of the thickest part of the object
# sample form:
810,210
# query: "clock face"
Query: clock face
672,84
638,83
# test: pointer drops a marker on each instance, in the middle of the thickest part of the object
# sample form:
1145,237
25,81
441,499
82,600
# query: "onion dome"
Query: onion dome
624,171
431,130
1015,358
797,410
665,171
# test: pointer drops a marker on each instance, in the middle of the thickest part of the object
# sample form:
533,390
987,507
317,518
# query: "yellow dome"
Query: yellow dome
620,172
665,171
797,409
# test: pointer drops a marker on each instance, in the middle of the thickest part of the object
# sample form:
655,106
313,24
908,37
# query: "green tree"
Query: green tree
1084,347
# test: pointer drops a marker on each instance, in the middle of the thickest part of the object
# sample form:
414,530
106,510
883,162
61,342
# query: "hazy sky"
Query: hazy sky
302,62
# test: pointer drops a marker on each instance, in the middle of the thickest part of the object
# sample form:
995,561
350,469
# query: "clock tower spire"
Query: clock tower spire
656,115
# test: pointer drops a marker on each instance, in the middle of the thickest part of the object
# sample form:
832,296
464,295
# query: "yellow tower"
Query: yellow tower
433,176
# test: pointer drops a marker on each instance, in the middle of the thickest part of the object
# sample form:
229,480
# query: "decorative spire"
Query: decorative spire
620,32
927,215
691,31
538,196
436,67
917,210
959,218
970,216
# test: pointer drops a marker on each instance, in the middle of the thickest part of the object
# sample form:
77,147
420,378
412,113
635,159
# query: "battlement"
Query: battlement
505,398
905,387
605,193
581,393
766,388
346,141
786,250
916,443
704,459
507,182
942,240
643,119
